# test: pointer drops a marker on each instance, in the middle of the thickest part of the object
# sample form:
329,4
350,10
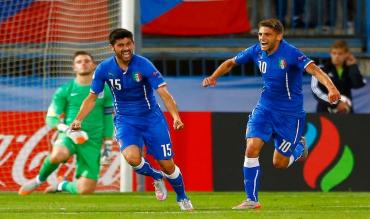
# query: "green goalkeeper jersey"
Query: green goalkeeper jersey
67,101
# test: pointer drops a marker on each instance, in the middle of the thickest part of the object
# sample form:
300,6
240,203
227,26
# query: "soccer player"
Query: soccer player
279,112
138,117
97,129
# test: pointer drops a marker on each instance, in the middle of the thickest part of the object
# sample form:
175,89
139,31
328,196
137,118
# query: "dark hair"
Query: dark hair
77,53
340,44
272,23
119,33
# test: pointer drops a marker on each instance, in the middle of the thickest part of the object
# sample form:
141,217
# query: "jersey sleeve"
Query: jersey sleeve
300,60
97,84
244,56
154,77
57,106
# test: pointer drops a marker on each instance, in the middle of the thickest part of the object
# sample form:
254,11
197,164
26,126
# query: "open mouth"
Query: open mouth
126,54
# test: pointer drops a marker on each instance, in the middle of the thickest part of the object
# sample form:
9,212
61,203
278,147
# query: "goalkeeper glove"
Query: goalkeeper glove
78,137
107,152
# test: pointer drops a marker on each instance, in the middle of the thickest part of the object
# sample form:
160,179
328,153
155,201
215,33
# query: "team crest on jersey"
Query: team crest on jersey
282,63
137,76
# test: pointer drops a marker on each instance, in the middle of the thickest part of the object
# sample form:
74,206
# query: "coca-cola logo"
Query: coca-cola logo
24,144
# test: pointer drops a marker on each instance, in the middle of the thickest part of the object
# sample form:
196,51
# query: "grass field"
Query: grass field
208,205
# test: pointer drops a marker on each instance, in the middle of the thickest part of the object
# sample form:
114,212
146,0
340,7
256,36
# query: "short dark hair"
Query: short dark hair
120,33
272,23
81,52
340,44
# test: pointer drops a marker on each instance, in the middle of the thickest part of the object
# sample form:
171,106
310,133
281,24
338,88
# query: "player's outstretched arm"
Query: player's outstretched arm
86,107
170,104
323,78
224,68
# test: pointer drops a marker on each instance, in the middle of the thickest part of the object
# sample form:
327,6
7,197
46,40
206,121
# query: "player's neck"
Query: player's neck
122,64
274,49
84,79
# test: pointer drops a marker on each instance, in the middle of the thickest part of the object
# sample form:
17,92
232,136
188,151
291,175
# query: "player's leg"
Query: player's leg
62,150
298,154
132,154
159,144
131,142
82,186
251,172
87,170
259,130
173,174
289,144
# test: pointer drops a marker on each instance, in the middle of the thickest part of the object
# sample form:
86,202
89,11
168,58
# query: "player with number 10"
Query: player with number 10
279,112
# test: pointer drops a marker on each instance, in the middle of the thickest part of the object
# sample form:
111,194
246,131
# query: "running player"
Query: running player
138,117
279,112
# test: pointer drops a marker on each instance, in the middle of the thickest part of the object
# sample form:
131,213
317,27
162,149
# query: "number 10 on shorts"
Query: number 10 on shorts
285,145
166,150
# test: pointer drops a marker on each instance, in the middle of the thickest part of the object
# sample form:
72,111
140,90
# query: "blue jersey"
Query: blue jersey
281,74
132,89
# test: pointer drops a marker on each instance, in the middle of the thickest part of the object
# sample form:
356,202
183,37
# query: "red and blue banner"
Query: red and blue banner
194,17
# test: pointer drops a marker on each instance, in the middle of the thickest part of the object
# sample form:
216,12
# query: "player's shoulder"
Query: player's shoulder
288,46
290,52
68,84
106,62
140,60
66,87
255,48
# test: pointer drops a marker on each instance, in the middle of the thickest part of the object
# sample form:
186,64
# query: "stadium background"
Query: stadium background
38,38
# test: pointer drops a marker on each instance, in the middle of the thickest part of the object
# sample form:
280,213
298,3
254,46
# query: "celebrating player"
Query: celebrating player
87,142
138,118
279,112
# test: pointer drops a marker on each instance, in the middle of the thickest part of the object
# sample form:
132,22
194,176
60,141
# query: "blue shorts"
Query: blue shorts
286,130
151,131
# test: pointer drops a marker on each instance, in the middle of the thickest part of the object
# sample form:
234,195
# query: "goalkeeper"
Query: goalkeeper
97,129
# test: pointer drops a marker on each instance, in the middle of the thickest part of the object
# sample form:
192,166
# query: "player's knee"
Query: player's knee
56,158
253,147
279,164
168,167
132,159
84,189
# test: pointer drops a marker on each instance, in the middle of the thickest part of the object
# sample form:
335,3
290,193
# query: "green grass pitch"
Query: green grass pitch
213,205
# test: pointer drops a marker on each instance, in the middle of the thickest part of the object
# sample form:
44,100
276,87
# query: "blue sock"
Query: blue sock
177,183
252,174
144,168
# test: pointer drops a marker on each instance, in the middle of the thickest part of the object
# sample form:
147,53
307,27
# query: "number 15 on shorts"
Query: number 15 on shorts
167,151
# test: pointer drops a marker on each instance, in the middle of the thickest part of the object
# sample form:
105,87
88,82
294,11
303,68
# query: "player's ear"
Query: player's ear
280,36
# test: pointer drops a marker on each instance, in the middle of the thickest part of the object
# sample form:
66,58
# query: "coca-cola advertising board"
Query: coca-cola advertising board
25,141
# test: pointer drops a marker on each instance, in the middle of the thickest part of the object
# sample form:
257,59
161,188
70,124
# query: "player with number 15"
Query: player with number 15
138,117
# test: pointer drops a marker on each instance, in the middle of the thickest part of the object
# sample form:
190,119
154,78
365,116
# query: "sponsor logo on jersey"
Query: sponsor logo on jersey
74,94
156,74
282,63
137,76
302,58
